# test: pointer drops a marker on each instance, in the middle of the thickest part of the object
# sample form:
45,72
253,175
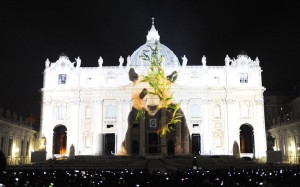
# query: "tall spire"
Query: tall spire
153,35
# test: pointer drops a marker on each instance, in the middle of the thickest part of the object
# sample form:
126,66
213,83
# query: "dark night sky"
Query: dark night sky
32,31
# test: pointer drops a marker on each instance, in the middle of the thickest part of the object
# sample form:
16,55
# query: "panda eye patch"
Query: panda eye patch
143,93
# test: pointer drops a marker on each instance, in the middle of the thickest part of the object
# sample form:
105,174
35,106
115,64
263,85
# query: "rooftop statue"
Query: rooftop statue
100,62
78,62
121,60
227,60
257,61
47,63
128,61
184,61
203,60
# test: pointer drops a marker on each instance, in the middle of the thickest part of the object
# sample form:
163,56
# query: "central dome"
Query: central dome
171,59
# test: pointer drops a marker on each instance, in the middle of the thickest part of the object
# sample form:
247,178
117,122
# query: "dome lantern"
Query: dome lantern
171,59
153,35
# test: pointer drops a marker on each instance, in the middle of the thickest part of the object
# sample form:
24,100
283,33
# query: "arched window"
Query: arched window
244,111
88,112
217,111
110,111
195,110
218,141
87,141
61,112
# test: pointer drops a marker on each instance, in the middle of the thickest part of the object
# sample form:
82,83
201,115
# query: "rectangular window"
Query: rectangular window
243,78
10,146
110,113
62,79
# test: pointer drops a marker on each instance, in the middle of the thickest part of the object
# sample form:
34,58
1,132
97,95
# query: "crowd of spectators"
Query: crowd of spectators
142,177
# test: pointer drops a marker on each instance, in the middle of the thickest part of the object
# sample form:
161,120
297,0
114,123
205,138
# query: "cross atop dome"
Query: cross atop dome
153,35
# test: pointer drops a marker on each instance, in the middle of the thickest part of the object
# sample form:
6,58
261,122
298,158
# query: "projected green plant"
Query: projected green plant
161,87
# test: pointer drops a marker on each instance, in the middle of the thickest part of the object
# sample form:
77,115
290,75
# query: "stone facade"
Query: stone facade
283,120
91,105
17,138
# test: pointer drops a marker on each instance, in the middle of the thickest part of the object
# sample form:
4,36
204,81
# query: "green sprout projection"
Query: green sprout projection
161,86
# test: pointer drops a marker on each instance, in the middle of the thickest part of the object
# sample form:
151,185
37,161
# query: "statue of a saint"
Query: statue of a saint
128,61
203,60
257,61
42,146
78,62
184,61
227,60
100,62
121,60
47,63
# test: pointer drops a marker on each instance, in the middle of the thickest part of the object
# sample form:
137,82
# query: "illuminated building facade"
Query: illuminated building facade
283,122
88,107
17,138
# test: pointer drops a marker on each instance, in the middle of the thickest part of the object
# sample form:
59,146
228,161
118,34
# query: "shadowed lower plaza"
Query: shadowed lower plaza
153,170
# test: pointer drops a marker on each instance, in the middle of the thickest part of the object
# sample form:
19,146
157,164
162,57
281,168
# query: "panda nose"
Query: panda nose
152,107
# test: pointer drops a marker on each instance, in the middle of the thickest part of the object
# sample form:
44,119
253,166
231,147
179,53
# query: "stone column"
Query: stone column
225,120
73,138
260,132
232,126
47,126
142,135
185,137
206,133
119,134
98,116
177,142
126,127
163,139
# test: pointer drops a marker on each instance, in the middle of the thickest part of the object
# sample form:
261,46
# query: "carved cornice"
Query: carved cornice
47,102
75,101
242,61
259,101
230,100
99,101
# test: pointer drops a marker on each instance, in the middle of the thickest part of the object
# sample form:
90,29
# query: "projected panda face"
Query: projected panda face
151,103
141,99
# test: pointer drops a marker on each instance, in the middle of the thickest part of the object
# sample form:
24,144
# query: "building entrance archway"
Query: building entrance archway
153,143
109,143
135,147
171,147
60,139
246,139
196,144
